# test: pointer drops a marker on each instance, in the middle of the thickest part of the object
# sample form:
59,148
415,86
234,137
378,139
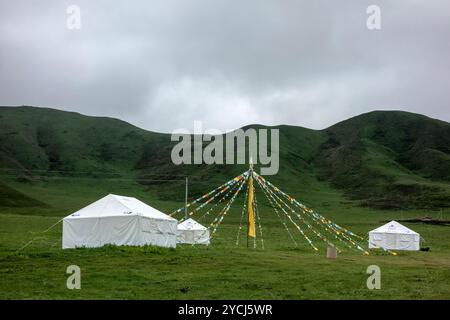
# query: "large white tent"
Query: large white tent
394,236
192,232
118,220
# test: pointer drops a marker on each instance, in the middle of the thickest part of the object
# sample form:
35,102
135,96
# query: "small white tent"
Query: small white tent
118,220
394,236
192,232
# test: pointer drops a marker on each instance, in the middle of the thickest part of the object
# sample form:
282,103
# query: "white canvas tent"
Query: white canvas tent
192,232
394,236
118,220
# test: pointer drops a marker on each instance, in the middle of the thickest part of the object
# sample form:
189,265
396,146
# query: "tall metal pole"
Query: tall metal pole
185,200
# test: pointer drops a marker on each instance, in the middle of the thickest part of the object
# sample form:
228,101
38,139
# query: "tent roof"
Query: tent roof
394,227
115,205
190,224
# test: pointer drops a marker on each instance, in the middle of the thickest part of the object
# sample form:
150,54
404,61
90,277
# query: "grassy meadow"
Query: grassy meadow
360,172
223,270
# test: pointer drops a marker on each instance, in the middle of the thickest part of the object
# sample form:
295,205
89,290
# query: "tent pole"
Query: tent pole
185,201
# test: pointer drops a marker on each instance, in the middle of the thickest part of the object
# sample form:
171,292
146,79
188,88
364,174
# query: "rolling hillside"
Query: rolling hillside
382,159
390,159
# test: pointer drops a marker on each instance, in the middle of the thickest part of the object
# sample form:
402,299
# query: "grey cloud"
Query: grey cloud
163,64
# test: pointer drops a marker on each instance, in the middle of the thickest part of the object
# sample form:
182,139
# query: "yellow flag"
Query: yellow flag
251,216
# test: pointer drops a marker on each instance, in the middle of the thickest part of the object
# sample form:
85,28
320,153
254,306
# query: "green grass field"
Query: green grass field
355,172
220,271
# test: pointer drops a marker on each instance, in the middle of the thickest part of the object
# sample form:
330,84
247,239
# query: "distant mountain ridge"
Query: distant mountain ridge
381,159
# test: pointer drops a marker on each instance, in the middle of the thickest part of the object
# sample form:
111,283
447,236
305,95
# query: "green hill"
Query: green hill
382,159
390,159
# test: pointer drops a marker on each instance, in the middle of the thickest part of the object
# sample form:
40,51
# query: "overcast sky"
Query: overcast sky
163,64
